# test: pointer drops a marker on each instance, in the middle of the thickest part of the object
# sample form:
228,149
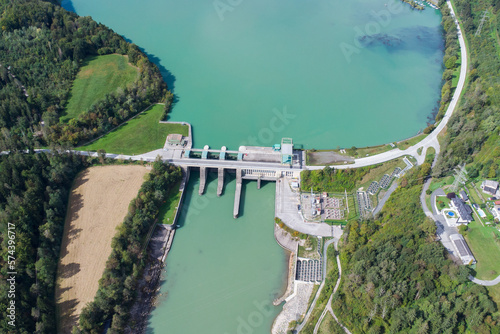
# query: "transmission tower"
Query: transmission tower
478,31
460,177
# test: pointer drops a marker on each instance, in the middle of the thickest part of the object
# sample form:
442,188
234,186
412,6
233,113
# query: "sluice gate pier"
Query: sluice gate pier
249,162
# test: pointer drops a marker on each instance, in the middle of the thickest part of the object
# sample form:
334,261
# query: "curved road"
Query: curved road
485,283
313,304
431,140
328,307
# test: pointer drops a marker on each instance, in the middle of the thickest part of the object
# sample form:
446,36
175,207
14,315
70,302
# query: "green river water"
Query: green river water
230,71
222,273
327,73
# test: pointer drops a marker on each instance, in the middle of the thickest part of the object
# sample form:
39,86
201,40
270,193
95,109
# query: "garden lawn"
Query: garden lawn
485,248
139,135
169,209
98,77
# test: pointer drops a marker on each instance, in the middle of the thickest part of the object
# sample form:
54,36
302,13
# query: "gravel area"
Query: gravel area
294,309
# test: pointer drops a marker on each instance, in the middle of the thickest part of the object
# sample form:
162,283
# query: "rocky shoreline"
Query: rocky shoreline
148,287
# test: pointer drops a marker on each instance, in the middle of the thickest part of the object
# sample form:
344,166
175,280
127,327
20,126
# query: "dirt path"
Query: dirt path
98,203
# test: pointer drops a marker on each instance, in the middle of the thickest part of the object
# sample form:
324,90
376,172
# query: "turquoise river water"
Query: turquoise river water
222,273
360,72
327,73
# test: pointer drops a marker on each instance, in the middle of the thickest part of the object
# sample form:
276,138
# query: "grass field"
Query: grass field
404,144
485,248
139,135
169,209
98,76
329,326
441,182
98,203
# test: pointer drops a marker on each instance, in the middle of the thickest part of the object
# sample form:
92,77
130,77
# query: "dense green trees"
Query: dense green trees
397,278
116,288
449,59
34,190
41,50
331,179
472,132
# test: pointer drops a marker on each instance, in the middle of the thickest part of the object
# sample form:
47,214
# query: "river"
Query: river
222,273
327,73
360,72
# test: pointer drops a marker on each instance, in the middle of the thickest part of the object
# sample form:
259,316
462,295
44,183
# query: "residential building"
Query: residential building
464,211
490,187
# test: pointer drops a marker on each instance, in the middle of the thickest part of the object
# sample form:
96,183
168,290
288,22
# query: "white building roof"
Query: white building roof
462,249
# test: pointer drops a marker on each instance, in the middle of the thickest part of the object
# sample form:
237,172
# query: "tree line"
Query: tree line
472,134
43,46
116,293
34,190
397,277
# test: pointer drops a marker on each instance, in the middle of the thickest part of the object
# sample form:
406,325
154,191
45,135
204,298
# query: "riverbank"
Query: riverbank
148,287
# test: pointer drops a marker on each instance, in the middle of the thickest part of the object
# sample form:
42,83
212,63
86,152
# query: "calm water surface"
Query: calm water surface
326,72
230,70
222,273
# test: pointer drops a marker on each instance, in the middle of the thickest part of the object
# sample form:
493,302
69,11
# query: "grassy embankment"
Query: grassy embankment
330,326
139,135
98,76
313,158
169,209
484,241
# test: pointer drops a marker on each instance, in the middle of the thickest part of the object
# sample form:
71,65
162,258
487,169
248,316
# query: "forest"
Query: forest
332,180
472,132
397,277
34,191
41,50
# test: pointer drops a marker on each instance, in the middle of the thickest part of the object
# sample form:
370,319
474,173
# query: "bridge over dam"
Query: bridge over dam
249,162
268,173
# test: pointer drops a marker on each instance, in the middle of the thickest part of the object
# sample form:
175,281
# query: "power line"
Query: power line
478,31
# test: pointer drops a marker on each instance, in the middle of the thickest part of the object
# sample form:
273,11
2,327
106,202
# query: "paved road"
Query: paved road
431,140
328,307
384,199
485,283
313,304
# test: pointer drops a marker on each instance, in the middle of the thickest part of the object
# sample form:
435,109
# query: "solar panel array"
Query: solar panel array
463,248
373,188
385,181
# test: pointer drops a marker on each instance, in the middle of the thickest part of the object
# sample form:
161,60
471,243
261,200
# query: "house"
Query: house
464,211
490,187
496,210
462,249
464,196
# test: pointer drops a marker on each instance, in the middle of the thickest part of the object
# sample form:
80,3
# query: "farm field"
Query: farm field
98,76
139,135
98,203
